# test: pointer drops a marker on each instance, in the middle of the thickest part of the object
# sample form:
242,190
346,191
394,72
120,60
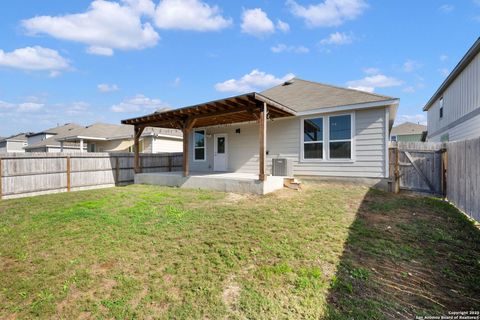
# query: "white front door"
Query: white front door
220,152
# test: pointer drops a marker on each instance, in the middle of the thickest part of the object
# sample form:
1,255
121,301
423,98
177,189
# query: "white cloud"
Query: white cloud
256,23
444,71
77,108
283,26
416,118
105,87
446,8
409,89
328,13
34,59
139,103
253,81
189,15
411,65
30,106
146,7
279,48
337,38
443,57
371,70
373,81
176,83
105,26
6,105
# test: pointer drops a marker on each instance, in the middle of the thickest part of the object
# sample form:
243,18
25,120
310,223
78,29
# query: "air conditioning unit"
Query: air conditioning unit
282,167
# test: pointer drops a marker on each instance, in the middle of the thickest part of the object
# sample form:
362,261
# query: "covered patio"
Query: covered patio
251,107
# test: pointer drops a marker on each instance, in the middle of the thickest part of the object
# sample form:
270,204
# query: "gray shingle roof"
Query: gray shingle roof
58,132
408,128
301,95
114,131
19,136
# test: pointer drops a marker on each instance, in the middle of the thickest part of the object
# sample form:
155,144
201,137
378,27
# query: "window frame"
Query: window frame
326,138
441,109
303,142
194,147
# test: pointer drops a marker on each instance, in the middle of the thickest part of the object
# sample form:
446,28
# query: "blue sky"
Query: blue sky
90,61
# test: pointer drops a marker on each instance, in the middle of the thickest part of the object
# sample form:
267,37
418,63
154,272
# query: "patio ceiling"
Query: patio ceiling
236,109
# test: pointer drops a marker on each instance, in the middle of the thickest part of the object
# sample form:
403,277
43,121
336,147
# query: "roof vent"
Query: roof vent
288,82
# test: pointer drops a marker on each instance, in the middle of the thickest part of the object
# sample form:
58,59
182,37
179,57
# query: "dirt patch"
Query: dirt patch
138,298
234,197
231,294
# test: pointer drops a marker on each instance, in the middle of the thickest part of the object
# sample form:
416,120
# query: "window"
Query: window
91,147
441,107
199,145
313,138
393,138
340,137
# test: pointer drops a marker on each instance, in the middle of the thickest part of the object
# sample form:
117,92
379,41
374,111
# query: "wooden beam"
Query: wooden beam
137,134
262,139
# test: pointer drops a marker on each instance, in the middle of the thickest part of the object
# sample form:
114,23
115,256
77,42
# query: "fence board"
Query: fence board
26,174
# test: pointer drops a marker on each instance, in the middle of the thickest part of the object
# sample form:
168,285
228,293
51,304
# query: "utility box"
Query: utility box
282,167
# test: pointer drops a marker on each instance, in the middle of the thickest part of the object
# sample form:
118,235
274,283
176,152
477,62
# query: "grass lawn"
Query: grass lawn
330,251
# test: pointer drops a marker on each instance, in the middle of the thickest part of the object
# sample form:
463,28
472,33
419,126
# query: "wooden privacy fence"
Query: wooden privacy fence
451,170
463,176
417,166
27,174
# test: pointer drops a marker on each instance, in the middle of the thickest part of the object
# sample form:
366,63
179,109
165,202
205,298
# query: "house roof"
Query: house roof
288,99
408,128
107,131
467,58
58,132
302,95
15,137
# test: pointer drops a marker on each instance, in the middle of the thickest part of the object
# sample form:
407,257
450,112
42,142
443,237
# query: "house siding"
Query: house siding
163,144
460,99
284,141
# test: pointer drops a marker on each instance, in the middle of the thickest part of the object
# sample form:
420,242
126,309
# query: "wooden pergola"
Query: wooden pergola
243,108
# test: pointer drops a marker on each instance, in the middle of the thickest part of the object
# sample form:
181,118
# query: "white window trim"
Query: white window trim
326,139
302,142
204,145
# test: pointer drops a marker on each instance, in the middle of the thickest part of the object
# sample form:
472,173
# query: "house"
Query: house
103,137
454,109
14,143
408,132
322,130
46,141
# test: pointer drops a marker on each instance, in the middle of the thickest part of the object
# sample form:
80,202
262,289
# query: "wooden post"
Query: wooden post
136,161
186,138
262,139
68,174
1,176
117,171
444,171
396,186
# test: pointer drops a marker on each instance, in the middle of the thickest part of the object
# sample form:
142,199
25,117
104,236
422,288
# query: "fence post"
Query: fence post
117,171
68,174
1,177
170,163
444,171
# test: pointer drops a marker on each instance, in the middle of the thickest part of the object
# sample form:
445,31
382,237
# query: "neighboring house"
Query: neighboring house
46,141
103,137
14,143
408,132
324,130
454,110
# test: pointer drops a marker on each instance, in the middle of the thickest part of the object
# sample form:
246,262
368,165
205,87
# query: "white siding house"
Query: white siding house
14,143
454,109
325,131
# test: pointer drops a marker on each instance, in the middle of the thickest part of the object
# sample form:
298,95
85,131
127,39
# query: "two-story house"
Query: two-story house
454,109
